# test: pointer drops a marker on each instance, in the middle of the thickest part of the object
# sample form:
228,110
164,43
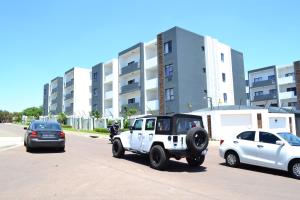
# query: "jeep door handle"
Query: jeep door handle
150,134
260,146
235,142
140,134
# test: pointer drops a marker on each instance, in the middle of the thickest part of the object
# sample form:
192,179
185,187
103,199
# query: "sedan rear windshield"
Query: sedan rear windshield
46,126
290,138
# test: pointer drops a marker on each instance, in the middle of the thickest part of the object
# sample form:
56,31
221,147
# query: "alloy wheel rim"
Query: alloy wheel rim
231,159
296,169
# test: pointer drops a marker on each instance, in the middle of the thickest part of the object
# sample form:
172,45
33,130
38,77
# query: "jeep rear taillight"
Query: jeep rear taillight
221,142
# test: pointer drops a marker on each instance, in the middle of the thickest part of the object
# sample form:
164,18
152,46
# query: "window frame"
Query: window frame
147,121
252,132
259,137
137,129
169,94
168,47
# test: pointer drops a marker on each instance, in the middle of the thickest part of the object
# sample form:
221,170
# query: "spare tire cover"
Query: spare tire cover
197,139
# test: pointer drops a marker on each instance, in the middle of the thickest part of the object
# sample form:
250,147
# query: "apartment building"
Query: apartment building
105,88
77,92
56,96
274,85
46,99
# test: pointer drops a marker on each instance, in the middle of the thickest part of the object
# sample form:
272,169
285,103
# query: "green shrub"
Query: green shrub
66,126
101,130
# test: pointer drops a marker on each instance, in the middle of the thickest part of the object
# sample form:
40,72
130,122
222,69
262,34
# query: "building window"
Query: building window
95,76
204,70
203,48
273,91
247,82
289,74
223,77
292,89
222,57
169,94
205,91
257,79
225,97
130,81
130,63
131,100
259,93
168,47
271,77
95,92
292,104
169,71
248,95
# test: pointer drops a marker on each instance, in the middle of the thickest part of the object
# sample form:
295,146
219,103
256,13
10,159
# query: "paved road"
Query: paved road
87,170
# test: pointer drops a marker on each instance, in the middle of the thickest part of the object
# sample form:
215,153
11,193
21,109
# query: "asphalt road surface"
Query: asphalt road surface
87,170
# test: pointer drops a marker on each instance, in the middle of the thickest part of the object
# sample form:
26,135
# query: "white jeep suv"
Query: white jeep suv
163,137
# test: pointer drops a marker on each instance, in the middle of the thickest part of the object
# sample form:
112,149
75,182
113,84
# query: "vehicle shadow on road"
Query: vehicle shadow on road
261,170
45,151
173,166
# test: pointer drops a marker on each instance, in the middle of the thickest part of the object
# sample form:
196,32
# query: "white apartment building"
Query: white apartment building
77,92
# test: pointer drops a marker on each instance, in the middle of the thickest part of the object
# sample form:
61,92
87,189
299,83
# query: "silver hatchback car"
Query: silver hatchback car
44,134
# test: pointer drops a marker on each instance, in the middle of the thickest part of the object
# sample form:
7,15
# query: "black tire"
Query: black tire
195,161
24,143
61,149
294,169
28,148
232,159
196,140
158,158
117,149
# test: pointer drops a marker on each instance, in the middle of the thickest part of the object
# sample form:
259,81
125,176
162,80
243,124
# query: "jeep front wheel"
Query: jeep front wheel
158,157
117,149
195,161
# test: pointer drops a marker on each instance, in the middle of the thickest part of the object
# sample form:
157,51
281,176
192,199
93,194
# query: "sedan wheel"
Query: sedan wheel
296,170
232,159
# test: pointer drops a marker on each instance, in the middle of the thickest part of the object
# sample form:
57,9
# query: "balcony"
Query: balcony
69,83
287,95
131,105
130,88
152,62
54,90
286,80
69,110
152,105
152,83
54,101
263,83
109,95
265,97
131,67
69,96
108,78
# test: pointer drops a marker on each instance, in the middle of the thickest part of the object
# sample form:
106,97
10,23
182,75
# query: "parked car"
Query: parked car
263,148
44,134
162,137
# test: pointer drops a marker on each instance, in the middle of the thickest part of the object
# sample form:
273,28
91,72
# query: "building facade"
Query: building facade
77,92
274,86
46,99
56,96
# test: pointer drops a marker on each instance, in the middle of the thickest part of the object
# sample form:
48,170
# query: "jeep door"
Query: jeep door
148,134
136,135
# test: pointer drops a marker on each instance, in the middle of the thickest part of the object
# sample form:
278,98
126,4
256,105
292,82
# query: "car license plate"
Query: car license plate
48,136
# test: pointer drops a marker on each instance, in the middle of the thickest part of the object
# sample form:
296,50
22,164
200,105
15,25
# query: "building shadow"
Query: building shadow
173,165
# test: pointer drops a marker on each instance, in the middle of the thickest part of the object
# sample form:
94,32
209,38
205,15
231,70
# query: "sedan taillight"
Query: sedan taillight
33,134
62,134
221,142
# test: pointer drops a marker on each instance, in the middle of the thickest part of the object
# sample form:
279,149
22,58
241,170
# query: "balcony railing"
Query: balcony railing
263,83
152,62
265,97
130,88
108,78
131,67
286,80
108,95
69,83
69,96
130,105
152,105
108,112
287,95
152,83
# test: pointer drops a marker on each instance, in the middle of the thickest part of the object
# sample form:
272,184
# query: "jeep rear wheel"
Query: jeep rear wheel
158,157
195,161
117,149
197,140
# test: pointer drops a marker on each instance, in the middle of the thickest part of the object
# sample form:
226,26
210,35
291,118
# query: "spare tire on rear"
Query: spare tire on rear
196,140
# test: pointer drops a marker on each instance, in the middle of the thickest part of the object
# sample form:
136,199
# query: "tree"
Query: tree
62,118
95,114
128,112
33,111
5,116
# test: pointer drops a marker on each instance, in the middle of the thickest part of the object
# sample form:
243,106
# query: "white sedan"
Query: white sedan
262,148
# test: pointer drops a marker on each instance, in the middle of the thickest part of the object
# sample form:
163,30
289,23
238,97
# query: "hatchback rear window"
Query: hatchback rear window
46,126
247,135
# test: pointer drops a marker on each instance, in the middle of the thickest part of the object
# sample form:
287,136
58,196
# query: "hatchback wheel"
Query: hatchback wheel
232,159
295,170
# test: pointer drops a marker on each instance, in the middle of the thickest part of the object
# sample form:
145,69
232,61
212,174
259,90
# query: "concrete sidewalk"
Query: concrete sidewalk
10,142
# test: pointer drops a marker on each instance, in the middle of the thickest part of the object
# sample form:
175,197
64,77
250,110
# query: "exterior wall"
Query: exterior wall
56,96
297,80
226,123
97,84
46,99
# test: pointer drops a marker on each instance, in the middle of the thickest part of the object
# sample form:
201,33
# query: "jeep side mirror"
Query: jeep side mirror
279,142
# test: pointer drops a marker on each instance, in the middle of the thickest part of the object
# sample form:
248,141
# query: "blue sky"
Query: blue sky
41,39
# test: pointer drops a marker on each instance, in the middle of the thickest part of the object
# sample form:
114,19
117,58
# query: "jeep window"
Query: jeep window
185,124
138,124
163,124
150,123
